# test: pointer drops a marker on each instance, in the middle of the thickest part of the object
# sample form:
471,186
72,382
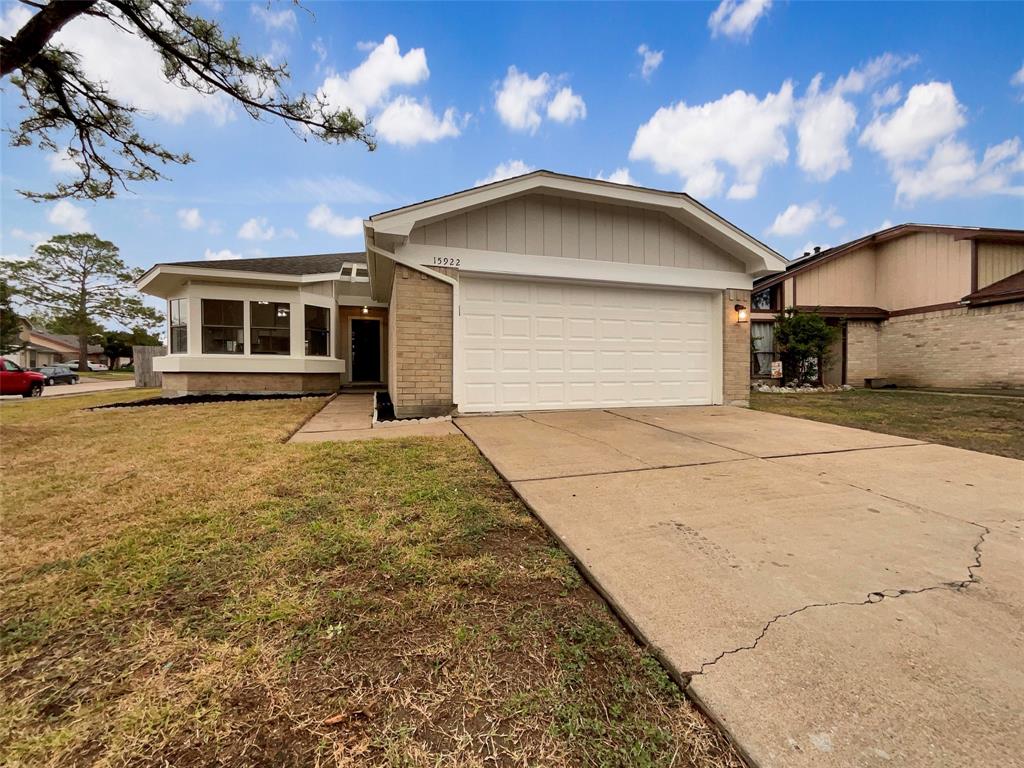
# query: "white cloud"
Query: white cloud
650,60
1018,80
273,21
880,68
926,157
953,170
826,118
32,237
567,107
930,114
257,228
221,255
520,99
888,97
797,219
62,163
190,218
322,218
104,50
406,121
619,176
505,170
737,18
738,130
825,122
809,247
69,216
368,86
366,45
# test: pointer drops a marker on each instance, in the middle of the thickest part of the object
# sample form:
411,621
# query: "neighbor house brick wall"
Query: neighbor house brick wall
735,350
861,351
269,383
421,324
960,347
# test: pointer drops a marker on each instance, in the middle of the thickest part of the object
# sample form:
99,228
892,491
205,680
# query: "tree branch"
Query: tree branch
19,50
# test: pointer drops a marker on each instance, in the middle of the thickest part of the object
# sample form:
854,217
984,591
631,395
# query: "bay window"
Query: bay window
223,332
270,327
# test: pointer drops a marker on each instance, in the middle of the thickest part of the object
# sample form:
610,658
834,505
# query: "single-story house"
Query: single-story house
918,305
40,347
542,291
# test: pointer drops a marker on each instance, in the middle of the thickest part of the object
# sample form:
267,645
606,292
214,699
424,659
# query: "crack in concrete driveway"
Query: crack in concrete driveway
704,527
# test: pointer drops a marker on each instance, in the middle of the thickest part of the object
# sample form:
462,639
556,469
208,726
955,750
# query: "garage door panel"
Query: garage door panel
536,345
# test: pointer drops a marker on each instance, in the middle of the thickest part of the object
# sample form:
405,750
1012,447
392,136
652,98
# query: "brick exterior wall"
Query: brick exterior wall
981,347
269,383
421,327
735,351
861,351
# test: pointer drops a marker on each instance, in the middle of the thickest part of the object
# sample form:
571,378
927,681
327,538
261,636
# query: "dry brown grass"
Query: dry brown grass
181,588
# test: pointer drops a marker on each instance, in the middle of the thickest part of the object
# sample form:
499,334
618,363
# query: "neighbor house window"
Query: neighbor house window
762,348
270,327
222,327
318,334
764,300
177,312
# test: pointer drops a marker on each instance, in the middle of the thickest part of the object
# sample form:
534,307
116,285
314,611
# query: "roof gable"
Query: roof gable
756,256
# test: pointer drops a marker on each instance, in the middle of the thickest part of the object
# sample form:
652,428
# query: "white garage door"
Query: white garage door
538,345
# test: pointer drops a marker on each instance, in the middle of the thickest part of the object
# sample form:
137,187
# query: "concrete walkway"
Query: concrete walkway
349,417
832,597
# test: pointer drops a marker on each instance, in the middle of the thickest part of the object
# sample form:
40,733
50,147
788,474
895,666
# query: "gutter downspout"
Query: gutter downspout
456,339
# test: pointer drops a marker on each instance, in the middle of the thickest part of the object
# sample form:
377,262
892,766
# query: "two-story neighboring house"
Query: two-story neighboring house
918,305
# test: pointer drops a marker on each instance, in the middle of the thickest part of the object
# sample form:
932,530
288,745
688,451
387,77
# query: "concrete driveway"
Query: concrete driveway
832,597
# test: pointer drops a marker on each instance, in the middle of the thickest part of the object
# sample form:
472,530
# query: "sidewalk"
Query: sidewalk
349,417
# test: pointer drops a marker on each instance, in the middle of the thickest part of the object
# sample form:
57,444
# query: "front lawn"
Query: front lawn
181,588
986,424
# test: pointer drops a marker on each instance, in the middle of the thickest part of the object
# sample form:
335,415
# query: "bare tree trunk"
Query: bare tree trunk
83,353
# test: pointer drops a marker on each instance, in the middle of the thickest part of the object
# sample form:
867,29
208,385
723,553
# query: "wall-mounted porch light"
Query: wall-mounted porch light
741,314
366,310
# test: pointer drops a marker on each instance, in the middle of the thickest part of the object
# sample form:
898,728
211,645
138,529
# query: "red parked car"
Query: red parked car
15,380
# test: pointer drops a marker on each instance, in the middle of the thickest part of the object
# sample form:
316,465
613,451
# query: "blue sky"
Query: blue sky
803,123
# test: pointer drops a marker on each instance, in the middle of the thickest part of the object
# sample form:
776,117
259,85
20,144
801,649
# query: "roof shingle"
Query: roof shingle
314,264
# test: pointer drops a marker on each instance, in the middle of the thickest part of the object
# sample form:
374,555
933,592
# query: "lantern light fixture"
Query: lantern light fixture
741,314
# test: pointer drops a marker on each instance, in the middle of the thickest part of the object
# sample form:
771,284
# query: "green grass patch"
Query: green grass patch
987,424
196,591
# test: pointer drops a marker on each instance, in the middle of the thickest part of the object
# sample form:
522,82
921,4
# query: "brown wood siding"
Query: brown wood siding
922,269
998,260
849,281
546,225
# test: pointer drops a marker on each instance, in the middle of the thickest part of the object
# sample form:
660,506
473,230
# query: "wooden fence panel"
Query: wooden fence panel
145,376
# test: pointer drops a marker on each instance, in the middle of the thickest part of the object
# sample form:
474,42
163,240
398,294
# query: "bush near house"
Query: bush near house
803,340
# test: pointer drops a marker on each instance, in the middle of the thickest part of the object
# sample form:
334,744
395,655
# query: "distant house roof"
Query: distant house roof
40,339
983,234
1000,292
316,264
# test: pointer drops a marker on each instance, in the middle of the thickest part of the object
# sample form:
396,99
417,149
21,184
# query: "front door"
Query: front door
365,350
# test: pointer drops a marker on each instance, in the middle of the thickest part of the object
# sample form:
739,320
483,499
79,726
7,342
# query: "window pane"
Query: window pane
222,312
271,341
222,341
762,299
179,339
317,342
269,314
317,317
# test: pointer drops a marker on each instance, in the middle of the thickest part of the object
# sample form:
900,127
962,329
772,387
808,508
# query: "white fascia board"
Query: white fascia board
580,270
247,364
227,275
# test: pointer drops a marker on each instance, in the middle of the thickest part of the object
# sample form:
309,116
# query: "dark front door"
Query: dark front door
365,350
